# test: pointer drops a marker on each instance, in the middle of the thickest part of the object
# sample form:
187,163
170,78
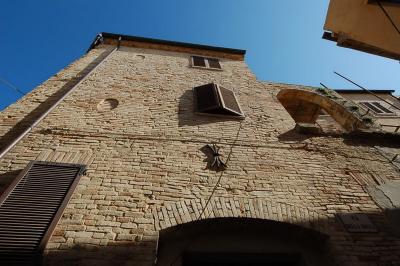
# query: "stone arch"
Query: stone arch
187,211
304,106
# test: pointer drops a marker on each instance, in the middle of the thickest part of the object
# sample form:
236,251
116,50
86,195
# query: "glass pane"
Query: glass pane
214,63
199,61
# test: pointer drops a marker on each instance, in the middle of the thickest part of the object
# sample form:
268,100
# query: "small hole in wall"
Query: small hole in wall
140,56
107,104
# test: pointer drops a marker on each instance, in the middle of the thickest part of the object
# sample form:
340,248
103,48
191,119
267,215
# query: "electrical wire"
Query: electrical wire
361,87
280,145
212,192
388,16
12,86
220,176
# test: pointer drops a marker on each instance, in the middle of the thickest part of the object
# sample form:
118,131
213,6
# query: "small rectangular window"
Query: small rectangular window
199,61
203,62
214,63
214,99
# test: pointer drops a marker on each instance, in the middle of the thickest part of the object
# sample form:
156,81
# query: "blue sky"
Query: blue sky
282,38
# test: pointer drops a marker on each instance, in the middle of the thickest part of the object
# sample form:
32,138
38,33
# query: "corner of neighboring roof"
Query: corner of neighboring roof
363,91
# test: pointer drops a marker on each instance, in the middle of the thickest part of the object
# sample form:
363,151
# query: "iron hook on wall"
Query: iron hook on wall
217,163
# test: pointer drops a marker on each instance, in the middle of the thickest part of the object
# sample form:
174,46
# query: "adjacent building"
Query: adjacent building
381,104
371,26
147,151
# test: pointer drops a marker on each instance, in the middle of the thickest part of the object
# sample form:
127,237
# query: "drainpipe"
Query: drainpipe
39,119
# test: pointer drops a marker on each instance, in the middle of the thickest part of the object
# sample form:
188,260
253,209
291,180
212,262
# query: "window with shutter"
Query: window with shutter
206,97
229,101
31,207
377,108
381,107
214,99
203,62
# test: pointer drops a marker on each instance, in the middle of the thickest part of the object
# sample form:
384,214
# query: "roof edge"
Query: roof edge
362,91
106,35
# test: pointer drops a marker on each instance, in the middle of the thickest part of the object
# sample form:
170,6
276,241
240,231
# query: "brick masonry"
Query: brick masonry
192,210
146,170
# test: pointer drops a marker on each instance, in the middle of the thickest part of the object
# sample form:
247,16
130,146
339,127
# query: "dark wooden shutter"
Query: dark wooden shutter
229,101
214,63
206,97
372,107
383,108
199,61
31,207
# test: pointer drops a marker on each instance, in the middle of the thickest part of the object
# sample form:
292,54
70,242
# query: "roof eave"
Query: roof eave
107,35
362,91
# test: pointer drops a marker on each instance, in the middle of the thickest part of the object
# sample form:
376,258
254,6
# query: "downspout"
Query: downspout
39,119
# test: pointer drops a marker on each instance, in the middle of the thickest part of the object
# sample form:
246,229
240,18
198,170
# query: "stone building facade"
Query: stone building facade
381,104
148,196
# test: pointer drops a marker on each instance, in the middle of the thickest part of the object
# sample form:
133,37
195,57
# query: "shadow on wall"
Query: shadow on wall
293,135
372,139
7,178
187,116
393,215
365,139
29,118
119,253
239,240
222,239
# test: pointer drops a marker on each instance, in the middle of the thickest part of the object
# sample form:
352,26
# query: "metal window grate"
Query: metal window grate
31,207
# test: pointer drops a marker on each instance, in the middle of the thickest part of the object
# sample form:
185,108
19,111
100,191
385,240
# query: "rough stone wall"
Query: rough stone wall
144,157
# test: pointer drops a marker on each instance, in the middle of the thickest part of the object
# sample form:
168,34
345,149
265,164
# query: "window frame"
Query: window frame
384,113
207,64
240,116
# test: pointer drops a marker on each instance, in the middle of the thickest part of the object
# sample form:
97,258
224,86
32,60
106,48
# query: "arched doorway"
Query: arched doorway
241,241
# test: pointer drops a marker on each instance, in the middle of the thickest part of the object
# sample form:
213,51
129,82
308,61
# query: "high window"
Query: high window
203,62
215,99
